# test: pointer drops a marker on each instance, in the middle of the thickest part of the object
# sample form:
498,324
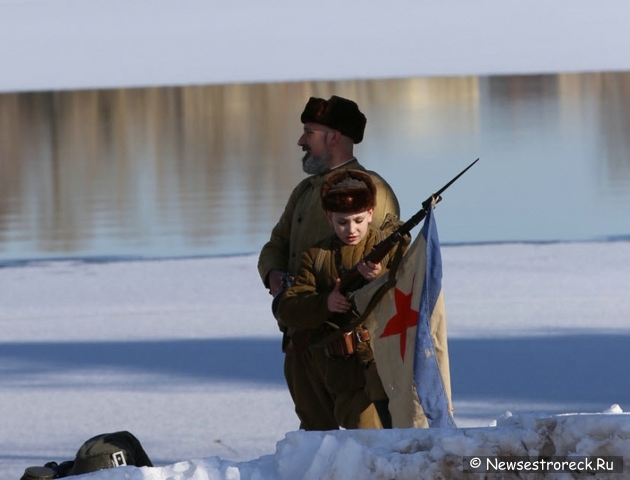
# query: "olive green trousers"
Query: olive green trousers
329,393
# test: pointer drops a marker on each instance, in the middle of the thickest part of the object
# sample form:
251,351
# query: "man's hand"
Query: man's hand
369,270
276,281
337,301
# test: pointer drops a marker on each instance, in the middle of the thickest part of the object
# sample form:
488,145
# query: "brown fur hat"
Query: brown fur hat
348,191
337,113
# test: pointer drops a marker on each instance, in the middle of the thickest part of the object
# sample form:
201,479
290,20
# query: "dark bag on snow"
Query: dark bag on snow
107,450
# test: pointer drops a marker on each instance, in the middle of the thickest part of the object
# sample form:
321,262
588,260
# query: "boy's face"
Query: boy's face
350,227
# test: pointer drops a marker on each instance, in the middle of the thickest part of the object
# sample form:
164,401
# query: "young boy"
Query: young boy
344,372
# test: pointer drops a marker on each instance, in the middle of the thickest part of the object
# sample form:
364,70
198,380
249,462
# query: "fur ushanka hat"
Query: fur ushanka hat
337,113
348,191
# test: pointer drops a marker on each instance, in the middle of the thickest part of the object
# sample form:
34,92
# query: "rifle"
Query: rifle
352,279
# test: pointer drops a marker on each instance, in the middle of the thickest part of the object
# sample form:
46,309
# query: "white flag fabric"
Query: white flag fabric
408,331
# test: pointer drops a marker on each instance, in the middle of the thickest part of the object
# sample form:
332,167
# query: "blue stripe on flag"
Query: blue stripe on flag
426,371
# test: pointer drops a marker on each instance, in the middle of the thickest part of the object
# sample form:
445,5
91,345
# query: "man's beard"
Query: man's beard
314,165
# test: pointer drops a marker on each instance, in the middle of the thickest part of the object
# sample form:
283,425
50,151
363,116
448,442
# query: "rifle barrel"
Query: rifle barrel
352,278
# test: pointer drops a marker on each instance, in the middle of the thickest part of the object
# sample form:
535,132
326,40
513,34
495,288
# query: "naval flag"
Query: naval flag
408,331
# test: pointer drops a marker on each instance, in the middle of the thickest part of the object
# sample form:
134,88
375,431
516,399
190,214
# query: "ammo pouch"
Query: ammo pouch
346,344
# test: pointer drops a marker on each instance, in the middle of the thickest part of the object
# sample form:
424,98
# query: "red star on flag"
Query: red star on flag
404,318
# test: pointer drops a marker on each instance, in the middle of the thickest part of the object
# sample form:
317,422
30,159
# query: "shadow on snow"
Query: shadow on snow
228,359
564,368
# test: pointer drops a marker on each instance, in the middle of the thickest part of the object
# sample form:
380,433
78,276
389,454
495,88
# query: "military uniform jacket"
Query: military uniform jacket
304,305
304,222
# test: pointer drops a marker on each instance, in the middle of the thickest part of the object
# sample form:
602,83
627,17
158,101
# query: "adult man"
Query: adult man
331,129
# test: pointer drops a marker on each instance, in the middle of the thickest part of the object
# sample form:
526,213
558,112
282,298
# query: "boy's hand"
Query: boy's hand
337,301
369,270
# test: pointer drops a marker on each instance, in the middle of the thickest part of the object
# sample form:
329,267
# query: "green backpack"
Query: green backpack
107,450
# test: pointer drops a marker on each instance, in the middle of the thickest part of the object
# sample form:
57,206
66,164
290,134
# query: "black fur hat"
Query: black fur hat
348,191
337,113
